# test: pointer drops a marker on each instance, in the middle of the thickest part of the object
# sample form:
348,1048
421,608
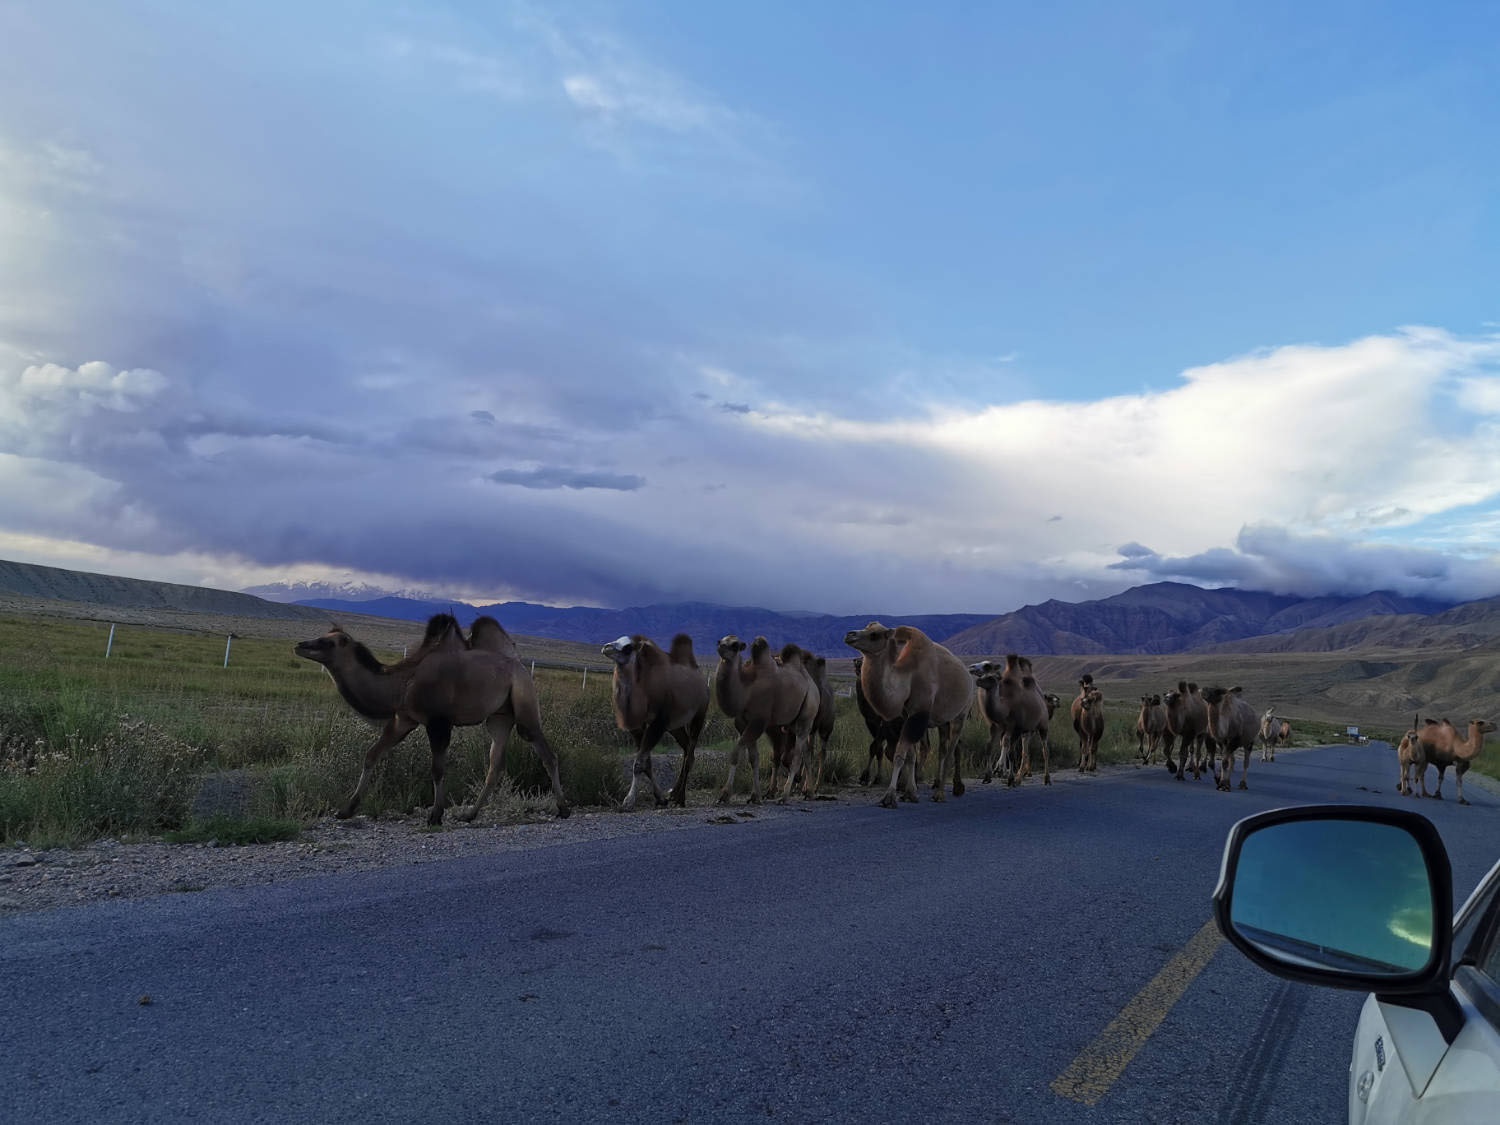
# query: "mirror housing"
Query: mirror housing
1345,896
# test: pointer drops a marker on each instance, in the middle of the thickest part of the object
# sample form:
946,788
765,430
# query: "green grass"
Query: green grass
91,748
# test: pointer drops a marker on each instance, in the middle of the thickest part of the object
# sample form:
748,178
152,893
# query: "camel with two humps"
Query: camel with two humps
759,696
909,677
656,693
1274,732
449,681
1443,746
1187,726
1088,723
1012,703
1412,760
1232,726
1150,727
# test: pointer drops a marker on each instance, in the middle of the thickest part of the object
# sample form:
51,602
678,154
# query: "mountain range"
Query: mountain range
1161,618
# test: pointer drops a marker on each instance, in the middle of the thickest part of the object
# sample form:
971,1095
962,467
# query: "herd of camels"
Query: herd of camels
906,686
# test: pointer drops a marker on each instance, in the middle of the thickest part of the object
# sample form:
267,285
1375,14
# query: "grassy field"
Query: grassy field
93,747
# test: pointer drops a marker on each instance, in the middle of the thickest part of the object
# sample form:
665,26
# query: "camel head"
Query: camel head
872,640
1269,715
730,647
1053,703
336,647
984,668
621,649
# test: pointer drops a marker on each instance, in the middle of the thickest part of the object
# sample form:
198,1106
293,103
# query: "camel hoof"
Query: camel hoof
722,799
958,790
435,818
564,811
662,802
937,796
1244,785
888,801
467,817
754,800
1463,801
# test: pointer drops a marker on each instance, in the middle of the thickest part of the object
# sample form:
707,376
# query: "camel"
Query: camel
1187,726
1441,745
909,677
1015,707
656,693
1232,726
1413,762
1274,732
828,712
884,733
1150,727
764,695
1088,724
449,681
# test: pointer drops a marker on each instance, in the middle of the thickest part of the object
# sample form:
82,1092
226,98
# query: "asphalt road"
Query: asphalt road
1035,955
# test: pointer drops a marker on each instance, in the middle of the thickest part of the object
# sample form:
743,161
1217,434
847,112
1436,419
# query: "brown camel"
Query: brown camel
1150,726
764,695
909,677
1187,726
1088,724
1231,726
444,684
828,712
1413,762
656,693
1443,747
1013,704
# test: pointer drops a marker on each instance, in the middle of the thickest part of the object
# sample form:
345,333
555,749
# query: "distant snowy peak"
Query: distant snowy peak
343,591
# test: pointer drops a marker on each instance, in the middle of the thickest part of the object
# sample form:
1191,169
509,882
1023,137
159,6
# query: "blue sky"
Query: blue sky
892,308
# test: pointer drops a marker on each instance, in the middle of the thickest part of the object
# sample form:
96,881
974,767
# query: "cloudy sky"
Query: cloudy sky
937,307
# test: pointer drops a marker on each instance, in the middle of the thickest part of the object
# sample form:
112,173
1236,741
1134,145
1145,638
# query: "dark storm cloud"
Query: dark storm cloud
546,478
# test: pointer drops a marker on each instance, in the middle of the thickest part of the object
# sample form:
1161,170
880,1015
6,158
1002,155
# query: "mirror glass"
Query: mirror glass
1336,894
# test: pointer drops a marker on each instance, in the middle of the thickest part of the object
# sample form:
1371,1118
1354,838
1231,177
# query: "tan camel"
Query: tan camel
884,734
1274,732
656,693
828,712
763,695
1187,726
1150,727
444,684
1231,726
1088,724
1412,760
909,677
1443,747
1012,703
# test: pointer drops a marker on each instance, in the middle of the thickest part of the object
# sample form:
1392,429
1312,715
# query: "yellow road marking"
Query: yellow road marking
1089,1076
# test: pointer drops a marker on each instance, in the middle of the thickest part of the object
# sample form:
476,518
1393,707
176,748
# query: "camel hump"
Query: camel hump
488,634
914,645
793,653
439,625
1182,687
760,651
682,651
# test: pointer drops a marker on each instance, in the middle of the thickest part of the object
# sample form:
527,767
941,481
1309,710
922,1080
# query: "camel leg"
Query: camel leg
958,762
1245,769
651,736
687,738
498,727
439,734
995,758
395,730
749,742
903,762
1459,769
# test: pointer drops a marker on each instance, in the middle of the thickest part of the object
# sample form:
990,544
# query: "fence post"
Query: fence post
585,679
109,644
229,640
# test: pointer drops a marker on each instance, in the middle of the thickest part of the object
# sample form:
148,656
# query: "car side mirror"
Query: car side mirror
1346,896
